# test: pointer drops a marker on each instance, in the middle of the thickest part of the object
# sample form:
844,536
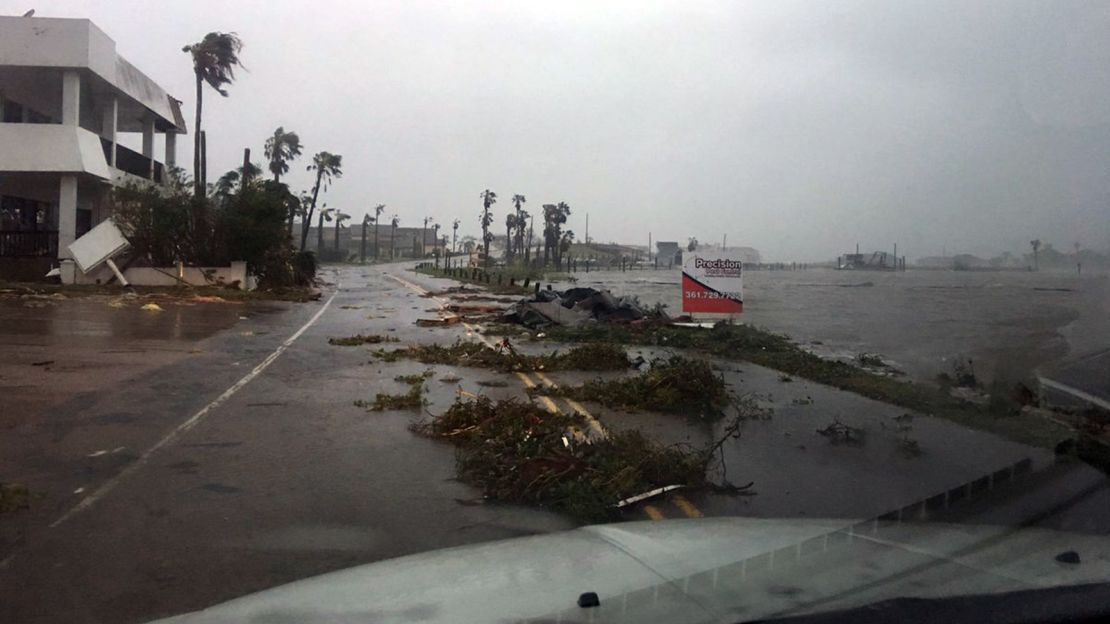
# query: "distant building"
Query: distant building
668,253
65,95
350,240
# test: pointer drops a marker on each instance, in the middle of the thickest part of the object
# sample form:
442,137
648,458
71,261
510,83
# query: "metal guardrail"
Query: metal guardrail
28,244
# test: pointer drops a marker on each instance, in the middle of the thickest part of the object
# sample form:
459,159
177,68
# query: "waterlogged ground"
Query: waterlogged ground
1007,323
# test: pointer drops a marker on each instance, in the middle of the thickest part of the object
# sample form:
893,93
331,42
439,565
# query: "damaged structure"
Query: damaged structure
574,306
66,96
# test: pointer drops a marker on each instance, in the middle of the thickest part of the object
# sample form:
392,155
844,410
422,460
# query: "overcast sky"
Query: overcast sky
796,128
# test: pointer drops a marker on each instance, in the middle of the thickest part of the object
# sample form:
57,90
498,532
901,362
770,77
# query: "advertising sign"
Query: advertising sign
712,284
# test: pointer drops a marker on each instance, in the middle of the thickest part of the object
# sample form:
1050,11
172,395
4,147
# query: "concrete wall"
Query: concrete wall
167,276
51,149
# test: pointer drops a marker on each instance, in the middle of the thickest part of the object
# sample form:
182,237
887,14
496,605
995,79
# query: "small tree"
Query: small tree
1036,245
377,221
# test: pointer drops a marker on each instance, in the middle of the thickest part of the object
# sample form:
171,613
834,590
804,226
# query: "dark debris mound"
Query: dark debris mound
359,339
517,452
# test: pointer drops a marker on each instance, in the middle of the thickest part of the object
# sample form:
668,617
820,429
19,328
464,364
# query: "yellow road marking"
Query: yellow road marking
686,506
653,513
595,426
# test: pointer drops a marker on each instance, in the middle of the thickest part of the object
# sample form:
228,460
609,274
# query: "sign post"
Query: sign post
712,285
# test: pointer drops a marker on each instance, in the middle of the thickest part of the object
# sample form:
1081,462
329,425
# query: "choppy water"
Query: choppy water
1008,323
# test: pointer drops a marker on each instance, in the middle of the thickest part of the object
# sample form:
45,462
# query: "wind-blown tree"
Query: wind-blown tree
455,236
521,217
280,150
489,198
435,240
326,166
564,244
424,237
340,217
227,183
325,215
393,238
377,221
1036,245
214,61
366,220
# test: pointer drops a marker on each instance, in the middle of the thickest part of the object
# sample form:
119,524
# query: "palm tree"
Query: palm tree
489,198
366,220
214,60
227,183
326,166
340,217
1036,245
510,225
377,221
424,237
554,216
455,236
393,239
280,149
521,217
325,215
435,241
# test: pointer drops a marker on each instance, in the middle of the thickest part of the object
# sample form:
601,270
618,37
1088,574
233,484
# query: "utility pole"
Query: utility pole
724,237
587,228
244,178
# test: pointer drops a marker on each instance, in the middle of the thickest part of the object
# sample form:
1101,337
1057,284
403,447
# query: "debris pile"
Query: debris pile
677,385
412,400
573,307
593,357
517,452
359,339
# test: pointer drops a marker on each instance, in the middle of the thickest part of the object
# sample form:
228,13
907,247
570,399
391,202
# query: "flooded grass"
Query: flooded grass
676,385
14,497
518,452
588,357
775,351
359,339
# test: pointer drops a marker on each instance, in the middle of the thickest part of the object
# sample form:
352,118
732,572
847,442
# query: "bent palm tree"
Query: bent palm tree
510,225
393,238
214,60
455,236
377,221
340,217
280,150
326,166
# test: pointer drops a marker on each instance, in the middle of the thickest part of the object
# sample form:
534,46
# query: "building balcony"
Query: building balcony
132,162
51,148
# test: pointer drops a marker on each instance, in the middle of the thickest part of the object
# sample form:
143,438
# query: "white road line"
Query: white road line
1075,392
108,486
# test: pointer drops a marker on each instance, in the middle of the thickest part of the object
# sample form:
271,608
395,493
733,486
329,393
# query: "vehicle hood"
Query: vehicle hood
677,571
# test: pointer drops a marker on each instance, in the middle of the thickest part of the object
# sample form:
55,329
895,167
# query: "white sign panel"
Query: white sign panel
712,283
97,245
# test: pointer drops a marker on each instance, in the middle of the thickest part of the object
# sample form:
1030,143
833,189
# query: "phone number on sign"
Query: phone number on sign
693,294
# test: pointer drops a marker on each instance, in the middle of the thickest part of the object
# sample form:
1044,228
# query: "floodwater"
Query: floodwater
921,322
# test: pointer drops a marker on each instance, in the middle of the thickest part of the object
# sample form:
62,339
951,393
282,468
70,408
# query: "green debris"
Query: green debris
14,497
518,452
747,343
359,339
411,400
678,385
592,357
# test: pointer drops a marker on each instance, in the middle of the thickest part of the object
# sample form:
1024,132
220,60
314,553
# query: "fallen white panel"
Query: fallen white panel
99,244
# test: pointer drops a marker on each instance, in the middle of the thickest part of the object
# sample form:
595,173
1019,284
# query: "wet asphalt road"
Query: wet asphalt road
200,479
285,479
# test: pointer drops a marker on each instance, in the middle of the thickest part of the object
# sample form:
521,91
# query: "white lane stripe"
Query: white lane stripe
1075,392
108,486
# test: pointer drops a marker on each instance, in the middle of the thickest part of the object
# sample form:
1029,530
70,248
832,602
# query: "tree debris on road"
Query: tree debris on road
594,357
359,339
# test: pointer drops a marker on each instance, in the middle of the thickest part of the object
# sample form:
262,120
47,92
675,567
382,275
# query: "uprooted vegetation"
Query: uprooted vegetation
746,343
677,385
411,400
517,452
591,357
359,339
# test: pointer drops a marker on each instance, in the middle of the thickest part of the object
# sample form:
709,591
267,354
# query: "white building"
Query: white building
65,95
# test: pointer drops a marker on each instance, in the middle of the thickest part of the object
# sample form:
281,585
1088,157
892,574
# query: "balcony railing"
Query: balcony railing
28,244
132,162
